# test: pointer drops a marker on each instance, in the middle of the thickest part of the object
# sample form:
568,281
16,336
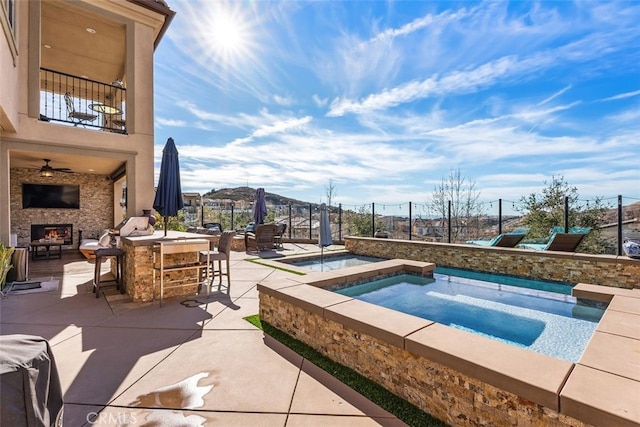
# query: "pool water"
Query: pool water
329,263
530,316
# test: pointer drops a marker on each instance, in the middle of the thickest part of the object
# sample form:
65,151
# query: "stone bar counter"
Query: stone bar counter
138,263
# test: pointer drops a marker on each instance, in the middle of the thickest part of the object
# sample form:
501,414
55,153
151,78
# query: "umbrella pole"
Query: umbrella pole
166,223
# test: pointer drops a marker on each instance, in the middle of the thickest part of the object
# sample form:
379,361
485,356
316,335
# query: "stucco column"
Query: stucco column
139,79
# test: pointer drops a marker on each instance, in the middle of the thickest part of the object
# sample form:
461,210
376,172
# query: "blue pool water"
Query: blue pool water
530,316
335,262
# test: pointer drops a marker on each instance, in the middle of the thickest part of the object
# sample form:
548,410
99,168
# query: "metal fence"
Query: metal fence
82,102
411,221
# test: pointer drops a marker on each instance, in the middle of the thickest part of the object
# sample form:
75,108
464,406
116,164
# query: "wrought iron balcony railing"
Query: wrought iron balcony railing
82,102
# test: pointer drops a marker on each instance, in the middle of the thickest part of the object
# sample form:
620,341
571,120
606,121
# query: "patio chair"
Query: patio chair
262,238
222,254
561,242
77,117
282,228
505,240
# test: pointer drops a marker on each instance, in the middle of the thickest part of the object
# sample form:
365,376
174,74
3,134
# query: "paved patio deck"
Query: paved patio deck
195,361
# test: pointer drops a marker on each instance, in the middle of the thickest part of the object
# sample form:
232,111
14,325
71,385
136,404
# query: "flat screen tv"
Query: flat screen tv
50,196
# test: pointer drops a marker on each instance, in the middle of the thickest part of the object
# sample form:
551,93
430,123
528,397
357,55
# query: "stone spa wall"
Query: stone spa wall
459,377
604,270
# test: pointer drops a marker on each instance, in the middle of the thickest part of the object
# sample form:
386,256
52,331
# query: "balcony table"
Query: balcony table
105,109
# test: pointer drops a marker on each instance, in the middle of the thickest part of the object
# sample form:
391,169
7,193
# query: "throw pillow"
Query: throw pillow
105,239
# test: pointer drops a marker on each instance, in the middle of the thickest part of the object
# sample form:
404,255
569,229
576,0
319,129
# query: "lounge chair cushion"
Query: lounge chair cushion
89,246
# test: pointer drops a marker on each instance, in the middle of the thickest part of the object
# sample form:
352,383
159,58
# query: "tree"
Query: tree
359,223
464,202
545,210
330,191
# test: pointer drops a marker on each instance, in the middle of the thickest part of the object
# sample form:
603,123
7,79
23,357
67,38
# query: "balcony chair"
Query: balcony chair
222,254
77,117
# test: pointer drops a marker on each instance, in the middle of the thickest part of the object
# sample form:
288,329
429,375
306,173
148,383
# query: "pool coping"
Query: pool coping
609,396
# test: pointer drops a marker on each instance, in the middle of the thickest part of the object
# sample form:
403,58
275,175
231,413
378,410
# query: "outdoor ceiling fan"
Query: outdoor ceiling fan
47,171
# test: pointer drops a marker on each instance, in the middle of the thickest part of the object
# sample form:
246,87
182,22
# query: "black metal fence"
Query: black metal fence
412,221
82,102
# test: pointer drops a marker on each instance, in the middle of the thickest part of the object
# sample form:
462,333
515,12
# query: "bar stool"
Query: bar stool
101,255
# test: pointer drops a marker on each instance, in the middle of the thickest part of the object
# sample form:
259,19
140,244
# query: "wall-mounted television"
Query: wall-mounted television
50,196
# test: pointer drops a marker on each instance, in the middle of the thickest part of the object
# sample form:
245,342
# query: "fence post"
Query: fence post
619,224
410,203
232,206
499,216
339,221
310,219
449,220
373,219
566,214
289,221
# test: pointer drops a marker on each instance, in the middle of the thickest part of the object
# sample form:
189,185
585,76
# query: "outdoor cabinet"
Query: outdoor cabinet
176,264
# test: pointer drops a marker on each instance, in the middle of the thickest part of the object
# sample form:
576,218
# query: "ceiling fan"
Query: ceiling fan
47,171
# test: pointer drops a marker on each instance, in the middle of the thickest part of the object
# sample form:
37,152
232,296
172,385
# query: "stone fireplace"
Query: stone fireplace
52,232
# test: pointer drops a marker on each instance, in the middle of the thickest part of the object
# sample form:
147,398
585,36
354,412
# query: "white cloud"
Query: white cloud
320,102
160,121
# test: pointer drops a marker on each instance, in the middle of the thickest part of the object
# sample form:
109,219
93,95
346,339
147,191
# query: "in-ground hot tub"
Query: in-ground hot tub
327,261
457,376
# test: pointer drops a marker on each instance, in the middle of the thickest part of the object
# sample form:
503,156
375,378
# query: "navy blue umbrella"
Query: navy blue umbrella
259,207
168,200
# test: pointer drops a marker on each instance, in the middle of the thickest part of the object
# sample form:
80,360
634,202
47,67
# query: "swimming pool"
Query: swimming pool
520,312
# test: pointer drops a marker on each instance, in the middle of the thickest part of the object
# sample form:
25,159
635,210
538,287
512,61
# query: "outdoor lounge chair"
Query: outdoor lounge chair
562,242
282,228
262,238
505,240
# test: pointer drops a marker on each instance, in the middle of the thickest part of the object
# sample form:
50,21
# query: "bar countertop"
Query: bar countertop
158,236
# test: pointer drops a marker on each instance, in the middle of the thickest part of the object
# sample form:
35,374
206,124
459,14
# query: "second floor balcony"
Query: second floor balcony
82,102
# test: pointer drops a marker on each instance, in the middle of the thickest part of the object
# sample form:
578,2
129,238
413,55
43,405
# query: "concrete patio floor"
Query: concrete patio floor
195,361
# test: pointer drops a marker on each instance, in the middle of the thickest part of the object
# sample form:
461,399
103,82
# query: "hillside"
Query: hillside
248,194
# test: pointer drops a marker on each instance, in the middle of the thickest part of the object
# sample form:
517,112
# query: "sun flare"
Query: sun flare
229,33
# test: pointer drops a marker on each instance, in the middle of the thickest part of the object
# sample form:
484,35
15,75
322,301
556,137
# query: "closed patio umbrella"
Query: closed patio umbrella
259,208
168,200
324,237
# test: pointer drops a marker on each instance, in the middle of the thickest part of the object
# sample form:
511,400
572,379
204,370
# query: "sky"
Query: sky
382,100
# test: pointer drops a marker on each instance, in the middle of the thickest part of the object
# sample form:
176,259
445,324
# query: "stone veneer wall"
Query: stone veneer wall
605,270
95,213
138,273
449,395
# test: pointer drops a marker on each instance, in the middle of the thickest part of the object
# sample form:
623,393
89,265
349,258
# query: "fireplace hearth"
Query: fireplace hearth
52,232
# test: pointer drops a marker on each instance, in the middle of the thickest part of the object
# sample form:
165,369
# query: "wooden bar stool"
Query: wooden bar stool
102,255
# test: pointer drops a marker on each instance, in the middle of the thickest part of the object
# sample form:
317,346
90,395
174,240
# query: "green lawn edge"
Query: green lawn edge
257,261
399,407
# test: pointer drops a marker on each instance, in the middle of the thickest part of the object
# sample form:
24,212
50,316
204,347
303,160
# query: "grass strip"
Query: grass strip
399,407
257,261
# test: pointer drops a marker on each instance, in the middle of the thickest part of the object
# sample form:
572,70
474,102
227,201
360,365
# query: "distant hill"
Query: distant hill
248,194
628,212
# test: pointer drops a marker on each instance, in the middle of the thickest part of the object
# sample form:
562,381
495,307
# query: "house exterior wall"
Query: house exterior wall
95,213
21,129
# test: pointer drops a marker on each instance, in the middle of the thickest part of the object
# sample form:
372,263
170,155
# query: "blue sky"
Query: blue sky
385,99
